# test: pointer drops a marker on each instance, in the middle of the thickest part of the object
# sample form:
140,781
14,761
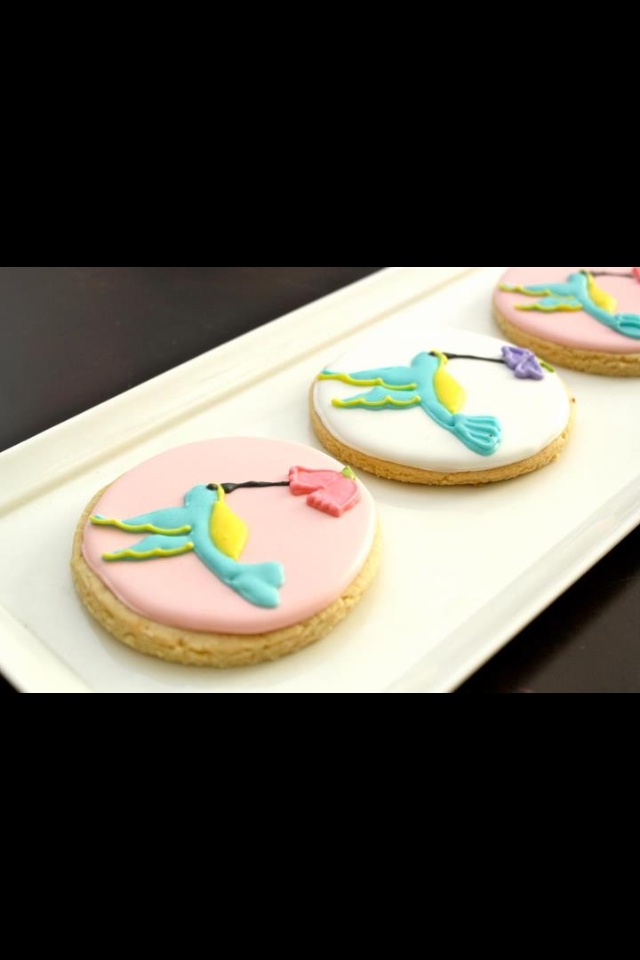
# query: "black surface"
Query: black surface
74,336
586,642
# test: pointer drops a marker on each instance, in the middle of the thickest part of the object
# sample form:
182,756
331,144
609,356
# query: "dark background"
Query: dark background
75,336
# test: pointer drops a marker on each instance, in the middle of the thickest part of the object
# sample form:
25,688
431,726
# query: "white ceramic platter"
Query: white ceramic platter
464,570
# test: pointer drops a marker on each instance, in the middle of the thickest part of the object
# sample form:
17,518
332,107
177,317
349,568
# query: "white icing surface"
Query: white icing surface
532,413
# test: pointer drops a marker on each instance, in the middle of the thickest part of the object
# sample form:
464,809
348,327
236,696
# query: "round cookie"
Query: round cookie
443,407
584,318
227,552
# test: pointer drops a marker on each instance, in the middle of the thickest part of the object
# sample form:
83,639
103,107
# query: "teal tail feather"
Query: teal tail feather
259,583
483,435
628,324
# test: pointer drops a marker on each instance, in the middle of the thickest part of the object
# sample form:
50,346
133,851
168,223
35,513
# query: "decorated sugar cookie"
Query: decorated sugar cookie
585,318
227,552
441,407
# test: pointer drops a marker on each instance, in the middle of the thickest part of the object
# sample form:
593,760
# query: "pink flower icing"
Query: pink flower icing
308,481
330,492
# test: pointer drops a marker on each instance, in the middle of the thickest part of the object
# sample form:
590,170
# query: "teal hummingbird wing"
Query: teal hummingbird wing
173,521
392,387
382,398
552,297
553,304
564,289
560,289
158,545
398,378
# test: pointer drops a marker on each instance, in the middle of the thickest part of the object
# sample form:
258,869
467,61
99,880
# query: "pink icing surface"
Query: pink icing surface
577,329
321,555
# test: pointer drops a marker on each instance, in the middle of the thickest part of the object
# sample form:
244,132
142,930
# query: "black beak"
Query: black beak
252,484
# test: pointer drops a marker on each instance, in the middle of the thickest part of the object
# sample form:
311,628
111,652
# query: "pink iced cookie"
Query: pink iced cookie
227,552
586,318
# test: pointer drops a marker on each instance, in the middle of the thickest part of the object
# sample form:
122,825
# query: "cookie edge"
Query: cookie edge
388,470
585,361
195,648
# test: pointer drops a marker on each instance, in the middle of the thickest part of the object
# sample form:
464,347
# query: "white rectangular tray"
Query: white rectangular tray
494,557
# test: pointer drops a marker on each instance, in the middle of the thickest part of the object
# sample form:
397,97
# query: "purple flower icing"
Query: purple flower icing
523,362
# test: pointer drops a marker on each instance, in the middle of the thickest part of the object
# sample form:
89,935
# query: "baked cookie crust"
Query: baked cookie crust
208,649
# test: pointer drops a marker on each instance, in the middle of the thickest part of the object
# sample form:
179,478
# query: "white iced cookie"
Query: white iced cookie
441,407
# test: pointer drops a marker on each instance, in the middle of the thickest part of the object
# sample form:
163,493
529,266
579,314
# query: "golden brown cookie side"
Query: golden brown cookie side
586,361
404,474
207,649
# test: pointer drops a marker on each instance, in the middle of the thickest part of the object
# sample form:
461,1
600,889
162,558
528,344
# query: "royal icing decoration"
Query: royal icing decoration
581,291
216,536
330,492
427,383
524,363
596,309
469,401
208,526
237,557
